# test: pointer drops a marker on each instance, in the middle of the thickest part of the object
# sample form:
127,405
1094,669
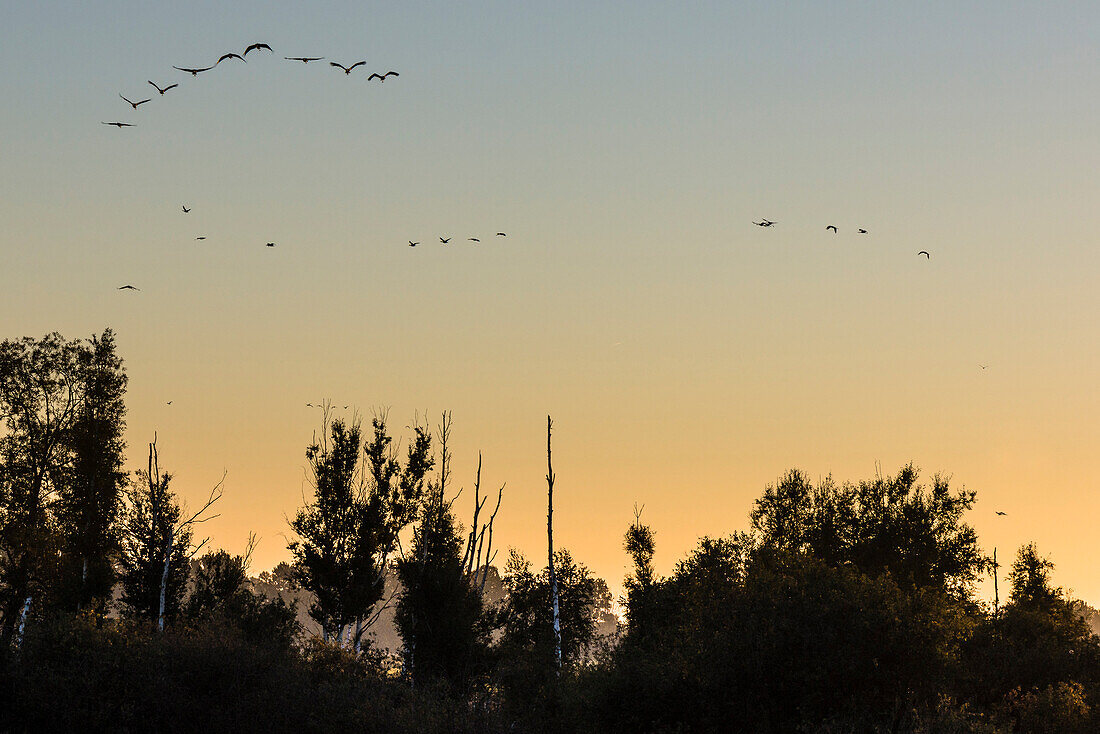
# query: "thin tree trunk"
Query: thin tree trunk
22,623
164,578
550,544
996,598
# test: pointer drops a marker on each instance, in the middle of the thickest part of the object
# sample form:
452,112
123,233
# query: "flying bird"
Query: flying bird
194,72
1001,513
134,104
501,234
169,402
832,227
764,223
200,238
229,56
165,89
185,209
473,239
270,244
983,366
925,253
863,231
382,77
256,47
347,69
128,288
413,244
119,125
304,59
444,241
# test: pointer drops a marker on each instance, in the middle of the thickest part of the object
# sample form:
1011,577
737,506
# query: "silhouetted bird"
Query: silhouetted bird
165,89
347,69
194,72
444,241
229,56
185,209
119,125
270,244
304,59
256,47
128,288
310,405
983,366
862,231
925,253
764,223
200,238
134,104
501,234
1001,513
169,402
474,239
382,77
413,244
832,227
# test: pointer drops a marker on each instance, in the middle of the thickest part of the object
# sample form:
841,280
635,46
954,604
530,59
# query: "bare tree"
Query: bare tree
550,545
479,543
157,543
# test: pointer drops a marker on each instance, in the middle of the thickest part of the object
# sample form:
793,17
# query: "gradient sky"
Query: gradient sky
688,357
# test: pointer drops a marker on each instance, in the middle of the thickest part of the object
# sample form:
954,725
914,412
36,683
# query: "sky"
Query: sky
688,358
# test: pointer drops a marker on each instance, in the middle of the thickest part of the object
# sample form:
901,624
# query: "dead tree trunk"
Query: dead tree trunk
164,577
22,623
550,546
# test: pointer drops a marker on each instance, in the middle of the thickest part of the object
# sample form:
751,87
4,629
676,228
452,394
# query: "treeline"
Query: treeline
841,608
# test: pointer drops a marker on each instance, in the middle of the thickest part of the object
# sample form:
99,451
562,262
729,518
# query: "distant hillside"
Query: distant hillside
1089,614
277,582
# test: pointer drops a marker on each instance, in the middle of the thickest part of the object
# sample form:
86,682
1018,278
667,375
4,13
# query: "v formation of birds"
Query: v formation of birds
195,71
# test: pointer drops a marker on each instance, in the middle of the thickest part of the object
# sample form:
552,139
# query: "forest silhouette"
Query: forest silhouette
840,607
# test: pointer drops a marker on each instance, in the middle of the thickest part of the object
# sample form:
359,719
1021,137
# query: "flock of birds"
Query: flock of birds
195,71
447,240
832,228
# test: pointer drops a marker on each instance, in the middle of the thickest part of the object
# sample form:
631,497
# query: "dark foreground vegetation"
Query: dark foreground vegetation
840,608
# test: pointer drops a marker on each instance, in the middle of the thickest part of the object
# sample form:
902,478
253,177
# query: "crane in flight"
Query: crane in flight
163,90
194,72
133,104
346,69
256,47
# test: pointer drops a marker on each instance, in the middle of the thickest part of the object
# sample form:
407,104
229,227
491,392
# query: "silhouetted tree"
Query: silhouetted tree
221,594
347,534
91,498
40,390
888,524
157,544
439,609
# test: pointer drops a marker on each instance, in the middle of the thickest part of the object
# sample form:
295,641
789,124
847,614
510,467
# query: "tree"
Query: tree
440,613
39,396
439,609
157,544
526,616
346,535
221,594
550,549
888,524
90,501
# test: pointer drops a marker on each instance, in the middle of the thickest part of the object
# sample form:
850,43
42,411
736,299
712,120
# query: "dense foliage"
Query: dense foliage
842,607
